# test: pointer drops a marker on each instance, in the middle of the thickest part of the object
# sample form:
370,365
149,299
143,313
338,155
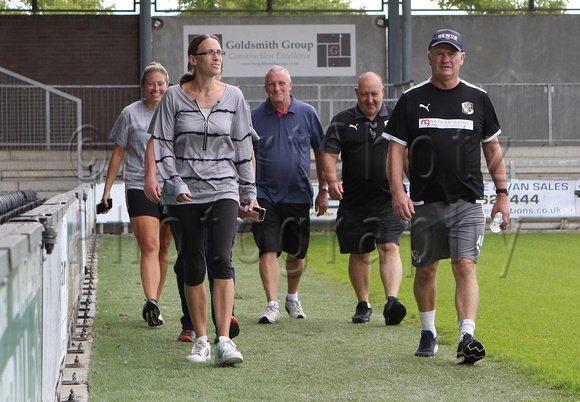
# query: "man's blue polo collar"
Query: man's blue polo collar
270,110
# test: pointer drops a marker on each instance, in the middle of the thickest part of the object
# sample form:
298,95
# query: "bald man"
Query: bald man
365,219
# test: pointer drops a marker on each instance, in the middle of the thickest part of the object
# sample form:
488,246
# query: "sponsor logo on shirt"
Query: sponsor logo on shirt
446,124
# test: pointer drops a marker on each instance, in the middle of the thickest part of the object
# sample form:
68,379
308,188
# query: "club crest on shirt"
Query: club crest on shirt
467,108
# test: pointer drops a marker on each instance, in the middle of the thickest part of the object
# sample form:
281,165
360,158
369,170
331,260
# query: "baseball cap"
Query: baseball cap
447,36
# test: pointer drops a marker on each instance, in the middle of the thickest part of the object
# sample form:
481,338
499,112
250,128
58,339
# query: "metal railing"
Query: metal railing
537,114
45,117
529,114
35,115
38,116
328,99
102,105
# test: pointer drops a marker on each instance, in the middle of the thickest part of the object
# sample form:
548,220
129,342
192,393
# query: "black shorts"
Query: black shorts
440,231
139,205
359,231
285,228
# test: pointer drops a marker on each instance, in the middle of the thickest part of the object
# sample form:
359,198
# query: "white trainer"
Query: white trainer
271,315
227,353
201,351
294,308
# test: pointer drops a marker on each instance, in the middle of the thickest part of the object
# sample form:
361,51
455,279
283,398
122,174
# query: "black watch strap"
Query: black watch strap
501,190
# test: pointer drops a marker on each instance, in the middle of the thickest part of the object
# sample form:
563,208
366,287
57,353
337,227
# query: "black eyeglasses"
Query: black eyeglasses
372,128
211,53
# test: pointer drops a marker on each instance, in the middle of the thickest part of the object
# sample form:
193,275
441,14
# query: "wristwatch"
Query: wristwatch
502,190
325,188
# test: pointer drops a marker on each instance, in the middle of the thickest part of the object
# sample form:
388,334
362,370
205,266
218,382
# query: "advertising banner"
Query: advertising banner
306,50
536,198
528,199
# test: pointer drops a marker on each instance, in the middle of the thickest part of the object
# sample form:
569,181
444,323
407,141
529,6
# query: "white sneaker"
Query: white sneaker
271,315
226,352
201,351
294,308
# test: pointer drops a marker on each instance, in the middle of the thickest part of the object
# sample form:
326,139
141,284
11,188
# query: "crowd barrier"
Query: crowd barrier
43,257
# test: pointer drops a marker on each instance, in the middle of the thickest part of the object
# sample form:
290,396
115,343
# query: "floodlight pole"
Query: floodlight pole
145,35
407,41
400,44
394,44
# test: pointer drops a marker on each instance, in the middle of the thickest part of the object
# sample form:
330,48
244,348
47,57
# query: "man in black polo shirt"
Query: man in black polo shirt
445,122
365,217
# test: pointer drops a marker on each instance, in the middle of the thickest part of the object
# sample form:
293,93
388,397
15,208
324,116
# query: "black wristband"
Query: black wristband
501,190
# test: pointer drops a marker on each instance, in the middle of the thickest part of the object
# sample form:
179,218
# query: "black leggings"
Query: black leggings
216,219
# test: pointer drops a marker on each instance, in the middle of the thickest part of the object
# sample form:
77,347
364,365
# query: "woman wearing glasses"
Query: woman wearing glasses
203,149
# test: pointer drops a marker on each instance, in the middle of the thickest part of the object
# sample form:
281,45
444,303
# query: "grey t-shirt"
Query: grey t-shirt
130,132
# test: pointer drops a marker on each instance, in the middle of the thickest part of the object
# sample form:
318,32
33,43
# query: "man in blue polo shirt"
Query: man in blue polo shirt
288,129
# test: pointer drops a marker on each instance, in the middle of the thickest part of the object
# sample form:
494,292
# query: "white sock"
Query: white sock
428,321
292,296
224,338
273,303
466,326
201,338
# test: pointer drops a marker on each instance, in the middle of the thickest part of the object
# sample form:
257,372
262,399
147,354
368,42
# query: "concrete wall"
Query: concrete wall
40,290
506,48
104,50
499,49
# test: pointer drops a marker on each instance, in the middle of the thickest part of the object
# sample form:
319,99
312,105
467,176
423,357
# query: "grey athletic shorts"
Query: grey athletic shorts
440,231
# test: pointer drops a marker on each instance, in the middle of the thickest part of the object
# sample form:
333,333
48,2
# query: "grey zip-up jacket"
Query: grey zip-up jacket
207,156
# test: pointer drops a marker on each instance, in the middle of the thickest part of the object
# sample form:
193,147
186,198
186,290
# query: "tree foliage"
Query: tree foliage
46,6
259,6
522,6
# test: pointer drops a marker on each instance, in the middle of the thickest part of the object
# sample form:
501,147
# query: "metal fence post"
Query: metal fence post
80,141
47,117
550,90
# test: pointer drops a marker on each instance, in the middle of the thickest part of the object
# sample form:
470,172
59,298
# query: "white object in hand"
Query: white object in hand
497,220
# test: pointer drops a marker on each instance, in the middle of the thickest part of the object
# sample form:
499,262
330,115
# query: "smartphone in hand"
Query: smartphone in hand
261,211
102,208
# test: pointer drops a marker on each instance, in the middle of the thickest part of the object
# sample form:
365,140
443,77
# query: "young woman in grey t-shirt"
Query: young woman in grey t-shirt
130,136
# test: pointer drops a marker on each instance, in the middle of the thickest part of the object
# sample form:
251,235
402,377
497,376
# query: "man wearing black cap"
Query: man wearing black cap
444,123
